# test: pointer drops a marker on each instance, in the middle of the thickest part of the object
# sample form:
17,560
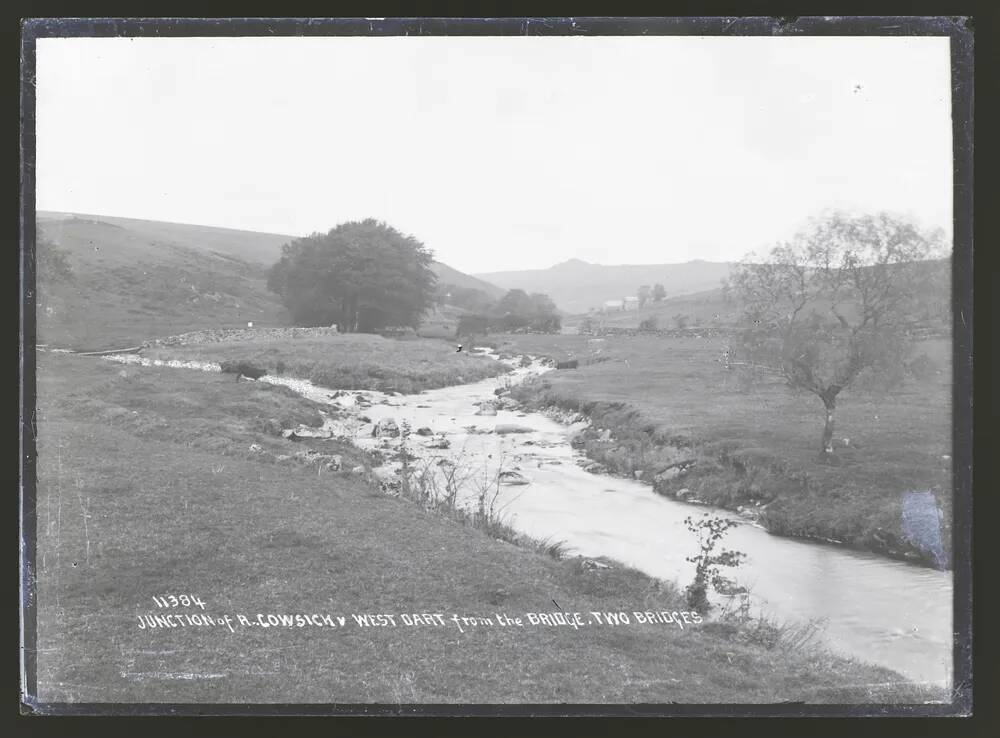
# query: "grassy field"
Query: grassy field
669,400
699,309
348,361
146,488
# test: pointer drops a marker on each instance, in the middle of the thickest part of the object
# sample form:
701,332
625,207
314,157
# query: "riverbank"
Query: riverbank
668,412
343,361
148,485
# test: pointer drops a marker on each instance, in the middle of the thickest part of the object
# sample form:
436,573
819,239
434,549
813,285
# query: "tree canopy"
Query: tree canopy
836,302
361,275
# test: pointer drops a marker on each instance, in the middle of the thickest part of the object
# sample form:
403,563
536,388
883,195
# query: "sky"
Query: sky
501,152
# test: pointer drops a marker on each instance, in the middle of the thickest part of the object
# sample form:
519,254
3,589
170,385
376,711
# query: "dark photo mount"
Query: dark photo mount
114,554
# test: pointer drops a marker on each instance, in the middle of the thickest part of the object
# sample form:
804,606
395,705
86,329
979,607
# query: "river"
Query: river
887,612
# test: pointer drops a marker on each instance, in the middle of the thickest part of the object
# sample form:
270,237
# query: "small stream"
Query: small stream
887,612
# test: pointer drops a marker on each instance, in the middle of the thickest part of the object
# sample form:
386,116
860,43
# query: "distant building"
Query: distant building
610,305
631,303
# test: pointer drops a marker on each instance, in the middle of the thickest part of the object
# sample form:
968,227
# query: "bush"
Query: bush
648,325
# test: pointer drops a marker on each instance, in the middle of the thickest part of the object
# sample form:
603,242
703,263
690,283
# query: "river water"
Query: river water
887,612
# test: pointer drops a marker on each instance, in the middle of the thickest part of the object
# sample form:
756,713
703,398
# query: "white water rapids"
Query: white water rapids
875,609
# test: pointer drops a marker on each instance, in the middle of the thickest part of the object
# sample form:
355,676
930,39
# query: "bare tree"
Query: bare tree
835,303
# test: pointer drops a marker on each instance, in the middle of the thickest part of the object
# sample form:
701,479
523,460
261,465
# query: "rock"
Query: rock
439,443
513,478
256,448
424,431
605,435
504,428
486,408
571,364
390,486
358,470
364,419
592,564
683,494
290,435
386,428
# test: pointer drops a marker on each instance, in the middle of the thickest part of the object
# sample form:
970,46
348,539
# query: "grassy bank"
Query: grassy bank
693,428
348,361
144,489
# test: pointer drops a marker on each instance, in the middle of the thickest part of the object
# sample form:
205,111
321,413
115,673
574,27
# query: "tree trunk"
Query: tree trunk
830,404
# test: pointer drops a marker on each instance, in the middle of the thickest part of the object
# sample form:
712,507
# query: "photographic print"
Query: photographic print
552,365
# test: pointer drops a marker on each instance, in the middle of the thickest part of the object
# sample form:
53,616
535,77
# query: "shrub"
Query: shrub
648,325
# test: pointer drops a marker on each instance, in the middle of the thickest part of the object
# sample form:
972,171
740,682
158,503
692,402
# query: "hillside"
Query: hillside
133,280
577,285
139,279
447,275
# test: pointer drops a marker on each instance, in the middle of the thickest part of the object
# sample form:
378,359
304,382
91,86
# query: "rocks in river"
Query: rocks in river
592,467
486,408
505,428
386,428
513,478
364,419
424,431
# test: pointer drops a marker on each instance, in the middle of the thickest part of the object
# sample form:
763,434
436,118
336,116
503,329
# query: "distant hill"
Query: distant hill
447,275
137,279
577,285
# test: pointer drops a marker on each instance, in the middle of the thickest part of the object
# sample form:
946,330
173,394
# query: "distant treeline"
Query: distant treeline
516,310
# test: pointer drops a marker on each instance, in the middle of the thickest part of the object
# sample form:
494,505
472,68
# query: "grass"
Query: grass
135,500
348,361
669,400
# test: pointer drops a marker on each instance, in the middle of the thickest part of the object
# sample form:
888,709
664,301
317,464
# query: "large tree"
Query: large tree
837,302
363,276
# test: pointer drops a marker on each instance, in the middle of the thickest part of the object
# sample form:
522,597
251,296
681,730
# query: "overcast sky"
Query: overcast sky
500,153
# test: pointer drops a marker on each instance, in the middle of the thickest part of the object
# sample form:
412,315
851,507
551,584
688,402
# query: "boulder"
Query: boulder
386,428
486,408
513,478
439,443
424,431
504,428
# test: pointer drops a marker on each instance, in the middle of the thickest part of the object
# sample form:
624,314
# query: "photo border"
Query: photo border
960,34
